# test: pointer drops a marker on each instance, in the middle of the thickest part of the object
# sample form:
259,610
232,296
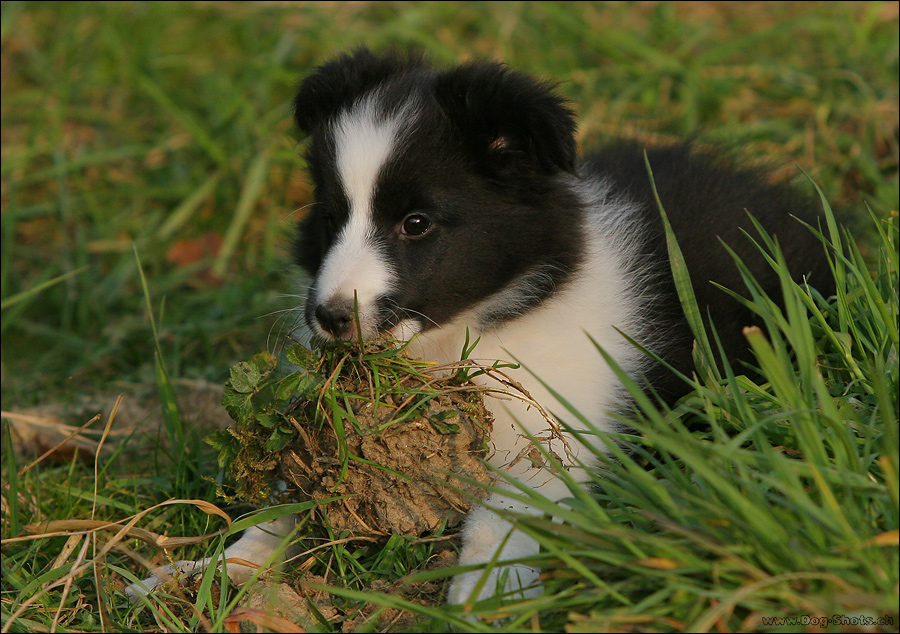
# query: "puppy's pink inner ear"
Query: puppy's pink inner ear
499,144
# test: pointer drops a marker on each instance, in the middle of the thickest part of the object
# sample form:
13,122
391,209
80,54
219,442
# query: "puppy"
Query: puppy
450,204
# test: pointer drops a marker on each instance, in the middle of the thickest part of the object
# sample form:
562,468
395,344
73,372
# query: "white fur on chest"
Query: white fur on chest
553,343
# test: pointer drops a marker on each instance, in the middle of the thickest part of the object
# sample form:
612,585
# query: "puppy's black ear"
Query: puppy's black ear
508,117
338,83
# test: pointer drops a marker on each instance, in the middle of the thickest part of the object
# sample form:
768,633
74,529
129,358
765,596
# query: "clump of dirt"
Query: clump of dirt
379,441
399,477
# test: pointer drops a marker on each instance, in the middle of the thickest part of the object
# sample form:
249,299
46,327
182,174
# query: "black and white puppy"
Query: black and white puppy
451,201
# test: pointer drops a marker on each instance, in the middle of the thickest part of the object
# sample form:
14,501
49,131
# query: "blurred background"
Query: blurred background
162,130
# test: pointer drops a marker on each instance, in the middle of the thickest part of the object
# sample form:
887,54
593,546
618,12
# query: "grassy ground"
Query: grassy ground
163,129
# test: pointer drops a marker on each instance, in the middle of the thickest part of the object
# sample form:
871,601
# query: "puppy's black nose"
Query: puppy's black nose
336,318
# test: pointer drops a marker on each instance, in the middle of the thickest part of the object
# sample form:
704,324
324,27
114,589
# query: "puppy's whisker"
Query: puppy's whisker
423,315
299,209
280,311
394,307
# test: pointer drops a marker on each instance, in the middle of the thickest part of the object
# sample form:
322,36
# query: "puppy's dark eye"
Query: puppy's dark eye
415,225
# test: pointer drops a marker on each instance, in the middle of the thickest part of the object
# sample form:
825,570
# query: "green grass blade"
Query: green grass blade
686,291
188,207
30,293
254,186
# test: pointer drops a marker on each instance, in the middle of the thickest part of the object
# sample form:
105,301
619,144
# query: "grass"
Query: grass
784,506
164,127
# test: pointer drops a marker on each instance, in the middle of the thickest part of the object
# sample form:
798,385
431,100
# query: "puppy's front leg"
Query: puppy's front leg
487,535
257,545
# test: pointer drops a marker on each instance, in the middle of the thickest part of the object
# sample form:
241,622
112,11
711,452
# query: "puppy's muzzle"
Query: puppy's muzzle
336,318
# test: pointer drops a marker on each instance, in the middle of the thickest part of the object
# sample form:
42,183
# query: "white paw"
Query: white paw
487,537
260,545
162,575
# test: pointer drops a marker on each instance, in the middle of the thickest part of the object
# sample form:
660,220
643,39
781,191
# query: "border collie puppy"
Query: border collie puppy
450,203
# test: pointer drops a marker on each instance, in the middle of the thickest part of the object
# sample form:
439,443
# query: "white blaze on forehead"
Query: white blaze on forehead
364,142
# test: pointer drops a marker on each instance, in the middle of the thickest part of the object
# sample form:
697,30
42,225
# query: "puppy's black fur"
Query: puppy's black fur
488,137
707,199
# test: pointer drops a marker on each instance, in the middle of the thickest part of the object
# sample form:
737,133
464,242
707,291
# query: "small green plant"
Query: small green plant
258,403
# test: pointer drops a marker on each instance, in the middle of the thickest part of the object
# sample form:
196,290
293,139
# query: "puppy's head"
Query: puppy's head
436,193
